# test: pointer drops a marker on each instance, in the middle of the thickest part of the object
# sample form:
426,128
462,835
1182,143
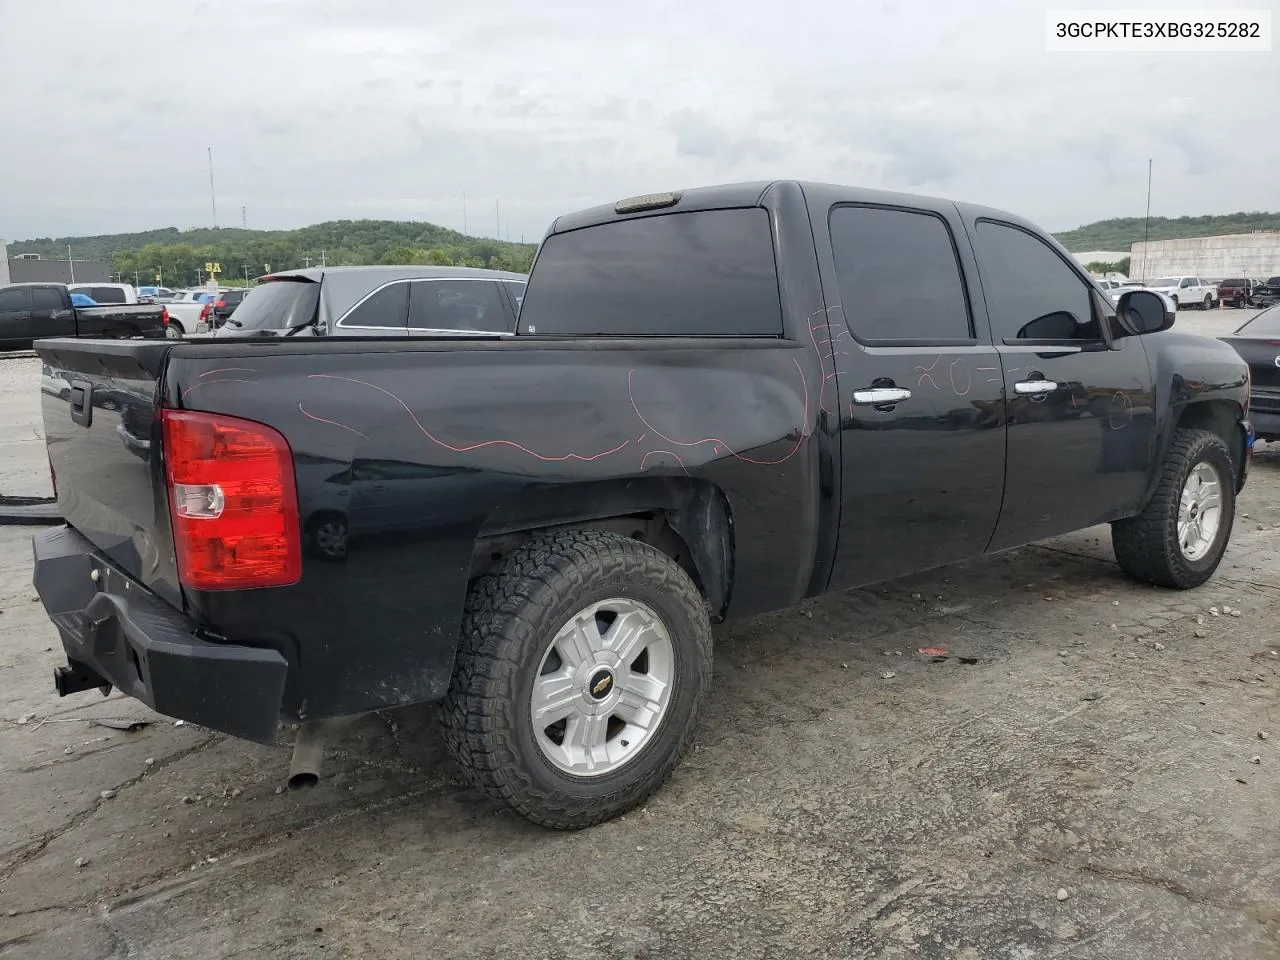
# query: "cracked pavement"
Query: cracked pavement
1101,742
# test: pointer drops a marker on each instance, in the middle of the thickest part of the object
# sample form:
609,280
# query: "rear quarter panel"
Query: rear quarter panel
418,444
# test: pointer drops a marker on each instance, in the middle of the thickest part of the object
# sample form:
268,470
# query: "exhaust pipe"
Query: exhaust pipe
308,751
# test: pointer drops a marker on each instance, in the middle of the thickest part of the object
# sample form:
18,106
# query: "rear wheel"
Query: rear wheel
1208,302
583,663
1179,538
174,330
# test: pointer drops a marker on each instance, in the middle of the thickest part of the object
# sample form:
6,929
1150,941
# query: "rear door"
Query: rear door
16,328
921,413
1080,406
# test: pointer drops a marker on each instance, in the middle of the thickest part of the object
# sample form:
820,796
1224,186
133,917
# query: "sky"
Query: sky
332,109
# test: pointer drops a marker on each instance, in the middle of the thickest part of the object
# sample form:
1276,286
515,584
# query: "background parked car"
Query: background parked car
185,310
1235,292
225,306
380,301
1257,341
1186,291
1266,292
157,294
105,293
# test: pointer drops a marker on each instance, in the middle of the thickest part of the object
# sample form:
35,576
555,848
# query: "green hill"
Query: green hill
179,255
1121,232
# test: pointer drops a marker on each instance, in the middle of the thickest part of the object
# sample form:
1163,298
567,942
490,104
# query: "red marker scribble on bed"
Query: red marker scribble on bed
210,373
210,383
306,413
801,435
453,448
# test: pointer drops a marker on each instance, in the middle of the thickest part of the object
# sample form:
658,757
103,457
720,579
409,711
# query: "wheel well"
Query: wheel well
696,532
1216,416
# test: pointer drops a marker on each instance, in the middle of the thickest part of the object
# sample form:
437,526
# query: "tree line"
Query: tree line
1122,232
177,258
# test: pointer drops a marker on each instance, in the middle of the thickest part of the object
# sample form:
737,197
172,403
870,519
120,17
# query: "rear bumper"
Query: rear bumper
117,632
1266,425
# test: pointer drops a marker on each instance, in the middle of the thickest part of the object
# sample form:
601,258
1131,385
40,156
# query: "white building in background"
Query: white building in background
1255,256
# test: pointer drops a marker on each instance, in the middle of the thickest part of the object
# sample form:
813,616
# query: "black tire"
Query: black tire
1147,547
512,616
1208,302
1176,305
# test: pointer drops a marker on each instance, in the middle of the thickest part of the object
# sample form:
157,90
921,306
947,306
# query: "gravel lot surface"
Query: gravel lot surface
1092,773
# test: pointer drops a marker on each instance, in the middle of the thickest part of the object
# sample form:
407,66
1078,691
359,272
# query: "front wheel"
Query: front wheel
583,662
1179,538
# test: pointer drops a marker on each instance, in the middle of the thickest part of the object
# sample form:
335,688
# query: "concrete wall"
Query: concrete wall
58,271
1252,255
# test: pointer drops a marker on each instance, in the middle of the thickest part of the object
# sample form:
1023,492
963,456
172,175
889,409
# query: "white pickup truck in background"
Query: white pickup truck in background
1186,291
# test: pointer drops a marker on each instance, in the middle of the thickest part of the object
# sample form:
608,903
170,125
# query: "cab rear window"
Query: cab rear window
705,273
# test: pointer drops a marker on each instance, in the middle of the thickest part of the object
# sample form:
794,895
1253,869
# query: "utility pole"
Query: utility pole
160,276
244,218
306,260
71,264
1146,226
213,197
323,262
135,279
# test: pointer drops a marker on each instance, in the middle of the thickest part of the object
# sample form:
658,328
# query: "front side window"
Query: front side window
898,274
705,273
45,299
1031,293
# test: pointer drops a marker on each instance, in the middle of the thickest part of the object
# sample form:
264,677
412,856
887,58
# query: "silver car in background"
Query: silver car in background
397,301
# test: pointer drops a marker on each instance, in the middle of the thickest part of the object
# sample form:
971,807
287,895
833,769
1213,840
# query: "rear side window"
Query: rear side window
385,307
278,305
898,274
472,305
709,273
106,294
45,298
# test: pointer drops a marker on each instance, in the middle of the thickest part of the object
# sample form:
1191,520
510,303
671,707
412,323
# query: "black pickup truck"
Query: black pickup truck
31,311
717,403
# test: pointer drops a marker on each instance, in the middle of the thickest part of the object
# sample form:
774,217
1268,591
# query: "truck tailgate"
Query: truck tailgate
103,435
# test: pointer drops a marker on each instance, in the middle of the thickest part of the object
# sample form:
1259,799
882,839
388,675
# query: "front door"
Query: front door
921,413
1081,434
15,317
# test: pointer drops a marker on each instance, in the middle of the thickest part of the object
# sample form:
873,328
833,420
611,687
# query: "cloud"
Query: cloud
394,108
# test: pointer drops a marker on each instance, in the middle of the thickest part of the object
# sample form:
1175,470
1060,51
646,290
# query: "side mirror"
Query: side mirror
1141,311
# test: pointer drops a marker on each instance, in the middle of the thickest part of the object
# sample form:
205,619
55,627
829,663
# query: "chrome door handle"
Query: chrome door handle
1034,386
874,396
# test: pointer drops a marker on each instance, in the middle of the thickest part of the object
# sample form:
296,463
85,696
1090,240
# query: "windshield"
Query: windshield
1265,324
1165,282
277,305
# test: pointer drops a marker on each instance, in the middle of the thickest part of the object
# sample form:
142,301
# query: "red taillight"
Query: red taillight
233,502
204,312
164,316
219,304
